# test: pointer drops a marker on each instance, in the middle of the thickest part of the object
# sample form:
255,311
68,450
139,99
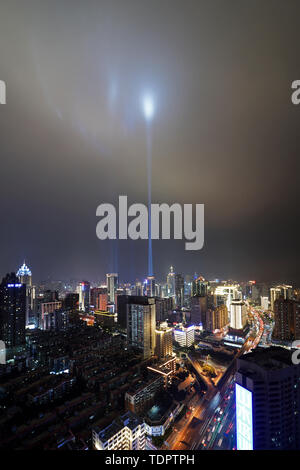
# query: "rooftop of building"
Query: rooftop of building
273,358
141,384
24,270
161,410
128,419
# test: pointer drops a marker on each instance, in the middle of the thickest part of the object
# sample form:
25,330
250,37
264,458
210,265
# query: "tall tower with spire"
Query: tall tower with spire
25,276
171,282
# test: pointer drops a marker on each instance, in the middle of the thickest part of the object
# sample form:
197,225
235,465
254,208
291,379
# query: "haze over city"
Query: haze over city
224,134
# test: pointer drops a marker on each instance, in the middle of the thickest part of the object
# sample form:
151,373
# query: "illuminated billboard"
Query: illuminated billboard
244,427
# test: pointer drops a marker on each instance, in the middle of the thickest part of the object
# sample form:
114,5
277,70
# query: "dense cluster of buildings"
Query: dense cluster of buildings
89,365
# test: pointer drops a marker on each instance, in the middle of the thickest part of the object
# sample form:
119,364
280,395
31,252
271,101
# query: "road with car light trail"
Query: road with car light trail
211,424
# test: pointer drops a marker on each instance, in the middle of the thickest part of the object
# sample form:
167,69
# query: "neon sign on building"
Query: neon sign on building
244,421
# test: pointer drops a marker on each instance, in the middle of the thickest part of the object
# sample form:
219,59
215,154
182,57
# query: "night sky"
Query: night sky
225,133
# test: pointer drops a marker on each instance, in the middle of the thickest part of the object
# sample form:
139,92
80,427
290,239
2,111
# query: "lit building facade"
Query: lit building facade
185,335
164,341
83,289
25,276
150,286
171,282
264,303
229,293
217,318
287,320
179,290
141,323
284,291
112,285
238,314
199,287
125,433
48,310
99,298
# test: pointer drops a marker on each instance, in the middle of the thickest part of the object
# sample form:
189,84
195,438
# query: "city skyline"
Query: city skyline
143,276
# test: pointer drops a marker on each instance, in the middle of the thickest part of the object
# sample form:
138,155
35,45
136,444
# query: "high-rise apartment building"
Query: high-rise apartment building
99,298
12,311
185,335
141,322
283,290
179,290
287,320
199,287
164,341
238,314
229,293
267,400
83,289
198,310
217,318
264,303
49,314
150,286
112,285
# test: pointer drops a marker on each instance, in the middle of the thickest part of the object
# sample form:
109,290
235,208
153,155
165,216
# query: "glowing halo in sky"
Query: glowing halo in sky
148,107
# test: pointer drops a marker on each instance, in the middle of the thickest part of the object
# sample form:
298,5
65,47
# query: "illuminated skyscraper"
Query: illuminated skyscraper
150,286
216,318
141,321
179,290
287,320
229,292
112,285
12,311
25,276
238,314
199,287
164,341
138,289
83,290
280,291
267,400
99,298
171,282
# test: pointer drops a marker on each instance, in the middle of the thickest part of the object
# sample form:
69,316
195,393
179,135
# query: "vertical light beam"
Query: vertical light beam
148,109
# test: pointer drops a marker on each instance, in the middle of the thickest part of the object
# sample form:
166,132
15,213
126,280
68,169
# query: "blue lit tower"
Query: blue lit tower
25,276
